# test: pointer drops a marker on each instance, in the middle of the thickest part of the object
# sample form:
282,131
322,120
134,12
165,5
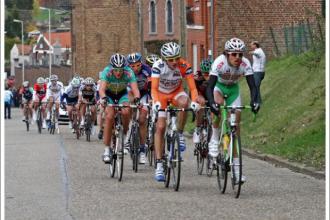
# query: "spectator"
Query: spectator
259,62
8,101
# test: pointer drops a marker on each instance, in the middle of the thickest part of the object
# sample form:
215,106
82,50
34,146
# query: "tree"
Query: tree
36,8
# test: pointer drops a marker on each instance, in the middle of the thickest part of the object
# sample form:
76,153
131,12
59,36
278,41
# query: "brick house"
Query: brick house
99,29
248,20
161,22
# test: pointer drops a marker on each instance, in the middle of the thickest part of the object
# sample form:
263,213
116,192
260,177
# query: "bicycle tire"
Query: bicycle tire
166,165
136,147
222,173
120,153
237,187
113,162
88,127
209,166
199,159
39,121
176,163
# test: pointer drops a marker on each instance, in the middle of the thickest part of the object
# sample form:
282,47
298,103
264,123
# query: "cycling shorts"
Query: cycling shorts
163,99
36,98
231,93
72,101
121,98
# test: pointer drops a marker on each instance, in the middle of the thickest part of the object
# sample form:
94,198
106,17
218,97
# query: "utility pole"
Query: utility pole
141,27
183,29
211,51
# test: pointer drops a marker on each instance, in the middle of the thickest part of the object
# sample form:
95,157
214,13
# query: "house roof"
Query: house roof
64,38
27,49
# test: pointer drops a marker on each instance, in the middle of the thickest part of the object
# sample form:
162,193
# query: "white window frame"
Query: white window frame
167,32
150,17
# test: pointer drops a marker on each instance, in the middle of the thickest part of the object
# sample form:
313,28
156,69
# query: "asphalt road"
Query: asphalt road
57,177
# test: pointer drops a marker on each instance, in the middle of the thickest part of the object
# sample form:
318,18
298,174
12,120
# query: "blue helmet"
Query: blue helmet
134,57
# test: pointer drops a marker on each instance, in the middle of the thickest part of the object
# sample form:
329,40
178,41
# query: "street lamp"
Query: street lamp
50,40
19,21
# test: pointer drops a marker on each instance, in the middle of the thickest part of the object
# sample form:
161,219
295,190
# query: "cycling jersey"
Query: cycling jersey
70,94
27,93
114,85
142,79
54,91
230,75
89,95
201,84
40,90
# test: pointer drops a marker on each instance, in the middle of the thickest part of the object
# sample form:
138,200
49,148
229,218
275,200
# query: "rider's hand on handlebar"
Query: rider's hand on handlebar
215,108
195,106
156,106
103,101
137,101
255,106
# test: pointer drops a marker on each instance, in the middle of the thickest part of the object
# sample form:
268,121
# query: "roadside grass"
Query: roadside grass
291,122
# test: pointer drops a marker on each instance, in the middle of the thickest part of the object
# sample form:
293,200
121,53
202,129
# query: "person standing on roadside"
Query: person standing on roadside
259,62
8,98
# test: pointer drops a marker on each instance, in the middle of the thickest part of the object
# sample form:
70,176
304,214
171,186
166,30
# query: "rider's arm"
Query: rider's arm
210,87
252,86
154,88
192,87
135,89
103,87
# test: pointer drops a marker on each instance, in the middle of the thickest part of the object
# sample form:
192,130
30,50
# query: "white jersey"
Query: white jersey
227,74
72,92
54,90
170,79
259,60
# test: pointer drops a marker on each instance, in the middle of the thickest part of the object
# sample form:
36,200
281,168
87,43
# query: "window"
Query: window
152,17
169,17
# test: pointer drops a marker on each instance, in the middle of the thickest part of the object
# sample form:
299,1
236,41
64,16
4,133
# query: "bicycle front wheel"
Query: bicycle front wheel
113,162
236,168
136,147
88,127
120,153
39,121
175,161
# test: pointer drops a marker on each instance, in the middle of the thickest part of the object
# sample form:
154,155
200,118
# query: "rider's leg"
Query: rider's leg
49,106
82,113
126,117
109,121
199,119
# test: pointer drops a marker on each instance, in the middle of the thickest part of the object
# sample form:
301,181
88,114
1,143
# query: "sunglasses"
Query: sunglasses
171,60
240,55
118,70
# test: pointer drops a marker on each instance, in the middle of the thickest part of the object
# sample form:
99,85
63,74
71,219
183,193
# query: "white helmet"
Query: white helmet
117,60
89,81
40,80
25,83
53,77
170,50
75,82
235,45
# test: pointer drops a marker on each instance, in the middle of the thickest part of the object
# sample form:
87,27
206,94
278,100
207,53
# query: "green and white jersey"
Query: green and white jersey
230,75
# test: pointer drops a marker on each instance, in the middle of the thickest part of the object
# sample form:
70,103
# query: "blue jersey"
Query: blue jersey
142,78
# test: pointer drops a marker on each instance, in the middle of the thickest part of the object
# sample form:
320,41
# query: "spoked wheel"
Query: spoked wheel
199,159
174,165
120,153
113,160
151,155
136,147
27,123
166,163
88,128
222,173
209,166
39,121
235,168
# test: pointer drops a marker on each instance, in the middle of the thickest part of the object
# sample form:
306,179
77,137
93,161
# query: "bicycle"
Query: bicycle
88,121
172,158
53,120
229,142
151,120
75,120
39,116
117,160
134,137
27,113
201,149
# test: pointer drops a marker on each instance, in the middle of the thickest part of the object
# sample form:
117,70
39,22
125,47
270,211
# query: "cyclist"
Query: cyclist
54,92
142,73
113,88
39,94
27,94
87,94
167,84
71,95
226,71
151,59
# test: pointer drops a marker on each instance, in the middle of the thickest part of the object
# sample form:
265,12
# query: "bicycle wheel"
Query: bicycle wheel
222,172
113,162
120,153
166,164
150,146
236,183
136,147
209,166
27,123
39,121
199,158
88,127
176,162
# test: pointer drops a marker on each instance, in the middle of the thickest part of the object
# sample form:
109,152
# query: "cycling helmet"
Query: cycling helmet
40,80
235,45
170,50
75,82
205,65
25,83
117,60
134,57
151,59
89,81
53,77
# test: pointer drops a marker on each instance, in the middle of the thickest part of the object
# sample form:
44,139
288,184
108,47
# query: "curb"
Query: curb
277,161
